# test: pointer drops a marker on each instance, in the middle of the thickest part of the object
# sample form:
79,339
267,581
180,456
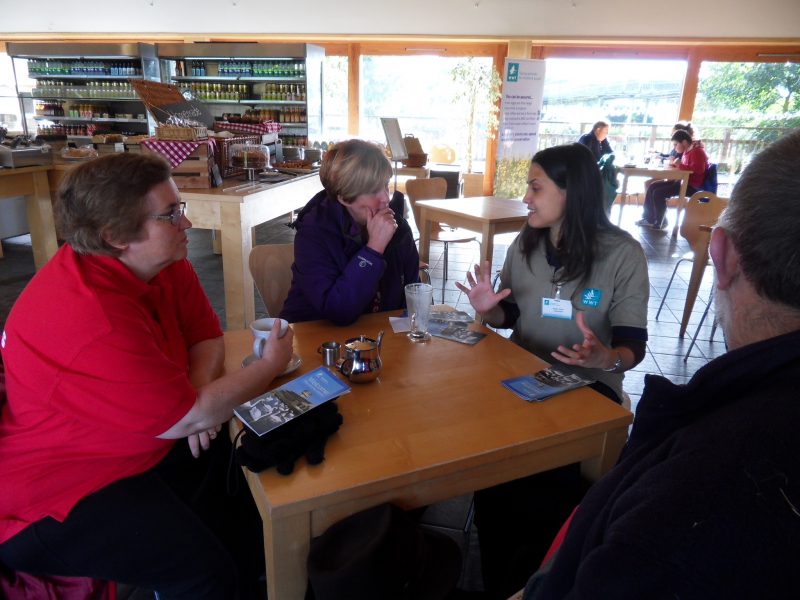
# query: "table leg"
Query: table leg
698,268
487,245
595,468
681,203
40,220
286,545
424,235
622,197
236,245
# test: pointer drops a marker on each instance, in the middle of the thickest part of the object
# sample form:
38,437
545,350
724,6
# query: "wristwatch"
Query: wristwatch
617,366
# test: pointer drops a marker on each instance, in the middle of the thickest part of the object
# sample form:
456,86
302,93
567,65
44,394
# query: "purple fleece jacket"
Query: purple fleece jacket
335,276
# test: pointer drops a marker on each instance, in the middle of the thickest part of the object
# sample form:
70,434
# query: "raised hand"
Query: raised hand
381,226
480,293
591,353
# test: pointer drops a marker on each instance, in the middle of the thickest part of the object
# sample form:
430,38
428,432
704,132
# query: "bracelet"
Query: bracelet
617,366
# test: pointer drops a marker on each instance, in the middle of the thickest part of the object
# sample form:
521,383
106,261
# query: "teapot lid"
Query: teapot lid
360,343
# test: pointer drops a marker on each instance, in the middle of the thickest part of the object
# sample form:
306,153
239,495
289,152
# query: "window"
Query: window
742,106
639,98
421,93
10,116
335,97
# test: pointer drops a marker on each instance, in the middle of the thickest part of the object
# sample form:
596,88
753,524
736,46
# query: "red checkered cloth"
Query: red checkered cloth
176,151
265,127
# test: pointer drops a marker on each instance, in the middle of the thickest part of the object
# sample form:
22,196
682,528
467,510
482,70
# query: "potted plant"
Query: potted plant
476,93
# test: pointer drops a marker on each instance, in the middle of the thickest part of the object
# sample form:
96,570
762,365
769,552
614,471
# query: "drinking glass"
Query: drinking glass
419,297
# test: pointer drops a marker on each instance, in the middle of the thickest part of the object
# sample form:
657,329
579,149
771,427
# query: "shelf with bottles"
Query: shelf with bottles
241,92
85,112
91,119
82,68
293,140
241,69
105,90
293,116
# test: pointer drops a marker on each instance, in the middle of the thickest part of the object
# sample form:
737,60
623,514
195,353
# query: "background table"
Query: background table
234,209
655,173
486,214
31,182
436,424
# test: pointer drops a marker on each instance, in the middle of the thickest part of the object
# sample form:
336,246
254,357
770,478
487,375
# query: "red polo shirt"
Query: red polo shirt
97,366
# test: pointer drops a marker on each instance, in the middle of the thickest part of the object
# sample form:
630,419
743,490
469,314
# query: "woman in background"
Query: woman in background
692,158
353,252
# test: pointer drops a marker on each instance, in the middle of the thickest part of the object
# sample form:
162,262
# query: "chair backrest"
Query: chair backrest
703,208
434,188
710,180
271,268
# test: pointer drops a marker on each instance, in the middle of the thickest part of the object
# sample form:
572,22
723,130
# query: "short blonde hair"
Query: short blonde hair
354,167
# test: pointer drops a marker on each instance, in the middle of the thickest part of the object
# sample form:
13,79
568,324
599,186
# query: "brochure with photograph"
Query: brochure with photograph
452,316
452,325
454,331
268,411
544,384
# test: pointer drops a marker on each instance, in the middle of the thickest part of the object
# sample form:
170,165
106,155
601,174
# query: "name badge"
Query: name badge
556,308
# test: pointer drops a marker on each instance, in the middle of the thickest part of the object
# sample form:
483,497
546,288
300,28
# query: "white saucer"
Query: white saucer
294,363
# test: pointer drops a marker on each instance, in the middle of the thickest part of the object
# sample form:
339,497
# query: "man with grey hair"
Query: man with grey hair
705,499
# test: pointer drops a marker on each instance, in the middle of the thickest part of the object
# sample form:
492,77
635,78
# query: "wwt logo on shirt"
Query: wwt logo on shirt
591,297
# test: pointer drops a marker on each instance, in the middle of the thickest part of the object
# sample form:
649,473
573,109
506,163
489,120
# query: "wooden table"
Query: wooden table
234,209
486,214
656,173
436,424
31,182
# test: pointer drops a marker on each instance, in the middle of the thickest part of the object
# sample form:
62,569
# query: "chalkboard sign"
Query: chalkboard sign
391,128
165,101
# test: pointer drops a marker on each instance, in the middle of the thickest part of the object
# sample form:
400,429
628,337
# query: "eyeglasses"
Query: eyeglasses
173,217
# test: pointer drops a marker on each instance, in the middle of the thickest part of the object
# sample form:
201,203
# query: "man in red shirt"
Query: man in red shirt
113,355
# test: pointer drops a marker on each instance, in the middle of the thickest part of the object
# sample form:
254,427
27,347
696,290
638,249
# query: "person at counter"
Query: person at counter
597,140
354,252
110,458
574,290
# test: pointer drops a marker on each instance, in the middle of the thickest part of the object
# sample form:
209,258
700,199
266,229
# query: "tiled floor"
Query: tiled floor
665,350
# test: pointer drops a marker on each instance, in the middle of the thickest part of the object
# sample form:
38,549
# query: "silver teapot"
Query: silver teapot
362,358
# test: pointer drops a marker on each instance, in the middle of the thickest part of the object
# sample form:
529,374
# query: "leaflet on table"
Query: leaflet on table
452,325
268,411
544,384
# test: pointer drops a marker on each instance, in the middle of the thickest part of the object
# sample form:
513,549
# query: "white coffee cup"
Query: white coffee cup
262,329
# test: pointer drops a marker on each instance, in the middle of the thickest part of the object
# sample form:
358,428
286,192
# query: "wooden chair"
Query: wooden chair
701,212
271,268
435,188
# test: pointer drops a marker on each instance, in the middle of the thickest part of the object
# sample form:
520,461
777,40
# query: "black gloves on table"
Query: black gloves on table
305,435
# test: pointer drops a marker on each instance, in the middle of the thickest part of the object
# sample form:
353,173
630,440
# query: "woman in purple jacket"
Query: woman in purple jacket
353,253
